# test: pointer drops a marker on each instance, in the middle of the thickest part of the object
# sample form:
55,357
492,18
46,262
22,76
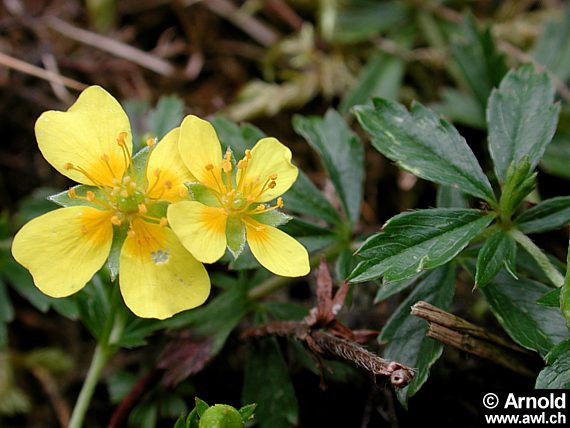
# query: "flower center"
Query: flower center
126,198
237,191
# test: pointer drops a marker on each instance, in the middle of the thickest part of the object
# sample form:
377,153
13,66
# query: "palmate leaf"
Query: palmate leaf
522,118
418,240
427,146
342,154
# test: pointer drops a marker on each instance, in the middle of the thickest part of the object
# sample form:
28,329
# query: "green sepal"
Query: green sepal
63,199
157,209
235,234
119,236
273,218
499,251
139,166
519,183
221,416
200,193
247,412
201,406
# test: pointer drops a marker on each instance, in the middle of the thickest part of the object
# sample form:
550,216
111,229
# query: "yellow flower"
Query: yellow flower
231,206
91,144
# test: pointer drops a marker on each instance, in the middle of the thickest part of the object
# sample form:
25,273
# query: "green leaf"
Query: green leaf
361,20
499,251
553,46
166,116
276,400
565,291
342,154
482,65
450,197
557,155
522,118
460,107
235,233
381,77
419,240
550,214
388,289
557,374
304,198
247,411
406,334
427,146
551,298
514,304
201,406
238,138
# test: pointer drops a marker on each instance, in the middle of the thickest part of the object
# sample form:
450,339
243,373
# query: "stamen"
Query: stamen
142,209
273,177
68,166
260,207
248,154
116,220
131,233
163,222
150,142
124,193
168,184
242,164
90,196
209,167
72,193
183,192
280,202
272,184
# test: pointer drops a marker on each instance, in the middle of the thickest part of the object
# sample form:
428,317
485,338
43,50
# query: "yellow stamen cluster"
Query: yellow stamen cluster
238,193
125,198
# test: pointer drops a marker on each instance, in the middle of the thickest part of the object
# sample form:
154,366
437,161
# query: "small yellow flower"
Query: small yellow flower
235,200
91,144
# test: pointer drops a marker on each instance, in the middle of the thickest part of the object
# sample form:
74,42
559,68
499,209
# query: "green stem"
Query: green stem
548,268
105,349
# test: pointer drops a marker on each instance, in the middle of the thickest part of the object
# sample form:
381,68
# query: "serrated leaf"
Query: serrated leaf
276,400
388,289
450,197
553,46
406,334
557,374
522,119
550,214
342,154
482,65
304,198
166,116
427,146
238,138
416,241
514,304
498,252
460,107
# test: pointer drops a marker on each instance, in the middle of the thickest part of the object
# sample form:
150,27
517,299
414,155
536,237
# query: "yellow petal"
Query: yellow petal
269,157
84,136
157,276
201,229
64,248
166,173
277,251
201,151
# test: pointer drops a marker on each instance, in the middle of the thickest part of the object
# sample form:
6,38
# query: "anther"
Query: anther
156,172
209,167
228,155
142,209
150,142
183,192
71,193
124,194
273,177
131,233
272,184
260,207
68,166
227,166
116,220
105,157
242,164
163,222
168,184
121,138
90,196
280,202
248,154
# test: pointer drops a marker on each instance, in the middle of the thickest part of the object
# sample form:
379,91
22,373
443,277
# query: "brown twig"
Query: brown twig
459,333
521,56
285,12
50,76
259,31
50,387
112,46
